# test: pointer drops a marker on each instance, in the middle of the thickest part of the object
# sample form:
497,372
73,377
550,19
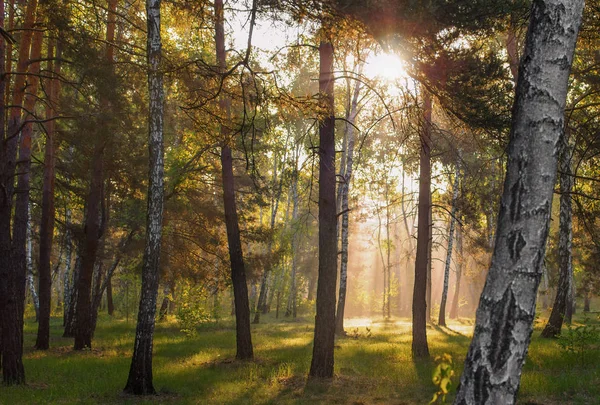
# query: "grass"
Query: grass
375,369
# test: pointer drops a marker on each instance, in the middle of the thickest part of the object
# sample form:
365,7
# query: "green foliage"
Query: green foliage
579,340
442,377
191,311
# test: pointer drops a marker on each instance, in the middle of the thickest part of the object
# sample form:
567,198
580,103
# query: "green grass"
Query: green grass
202,370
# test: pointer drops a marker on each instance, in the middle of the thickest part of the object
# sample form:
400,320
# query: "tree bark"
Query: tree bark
322,358
4,238
93,227
48,212
507,306
139,381
29,262
563,303
420,348
238,272
345,191
12,252
459,267
110,306
291,304
442,317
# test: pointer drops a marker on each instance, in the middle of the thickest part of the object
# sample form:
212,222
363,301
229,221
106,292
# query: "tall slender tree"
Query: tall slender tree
238,272
442,316
506,310
563,302
420,348
12,244
47,224
94,225
322,359
345,191
139,381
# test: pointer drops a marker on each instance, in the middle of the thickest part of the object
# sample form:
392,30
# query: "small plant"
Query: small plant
355,334
191,313
442,377
579,340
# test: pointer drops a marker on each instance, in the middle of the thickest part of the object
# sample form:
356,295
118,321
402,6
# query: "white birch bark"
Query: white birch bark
506,310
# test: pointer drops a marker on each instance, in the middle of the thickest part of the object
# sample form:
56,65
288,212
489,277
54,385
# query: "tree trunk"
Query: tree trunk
83,326
563,303
29,261
12,252
429,262
47,224
420,348
459,267
507,306
93,228
4,238
110,306
238,272
67,276
322,358
345,191
442,317
291,304
139,381
69,320
262,296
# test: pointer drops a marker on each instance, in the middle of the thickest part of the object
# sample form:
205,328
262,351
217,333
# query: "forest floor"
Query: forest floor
372,366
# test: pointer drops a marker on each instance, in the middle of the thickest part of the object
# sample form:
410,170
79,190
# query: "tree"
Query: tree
94,218
12,250
48,211
344,207
238,272
139,381
322,359
420,348
442,316
563,302
507,306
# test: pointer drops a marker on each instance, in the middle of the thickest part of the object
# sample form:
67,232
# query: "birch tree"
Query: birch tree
506,310
139,381
455,185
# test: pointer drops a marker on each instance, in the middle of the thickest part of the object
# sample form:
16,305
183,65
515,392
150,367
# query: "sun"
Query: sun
387,66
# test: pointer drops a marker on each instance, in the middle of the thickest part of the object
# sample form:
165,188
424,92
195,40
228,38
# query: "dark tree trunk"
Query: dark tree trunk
442,317
139,381
102,285
47,223
507,306
420,348
322,359
563,303
238,273
4,237
12,252
83,313
93,227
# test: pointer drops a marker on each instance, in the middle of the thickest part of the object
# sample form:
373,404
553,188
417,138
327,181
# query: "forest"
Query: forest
299,202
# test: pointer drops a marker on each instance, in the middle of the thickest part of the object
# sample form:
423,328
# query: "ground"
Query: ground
372,366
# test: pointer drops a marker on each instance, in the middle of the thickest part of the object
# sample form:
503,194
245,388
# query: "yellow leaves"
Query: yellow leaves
442,377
